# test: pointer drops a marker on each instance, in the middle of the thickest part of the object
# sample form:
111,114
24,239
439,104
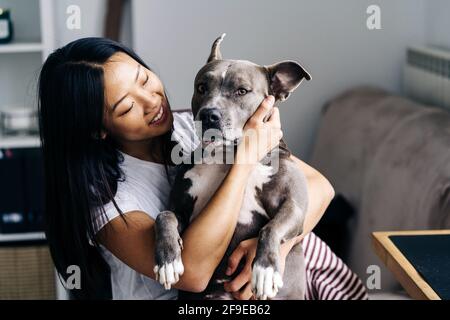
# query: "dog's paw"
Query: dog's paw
169,273
168,265
265,282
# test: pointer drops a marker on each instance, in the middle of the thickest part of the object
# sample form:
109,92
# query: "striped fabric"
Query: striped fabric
328,278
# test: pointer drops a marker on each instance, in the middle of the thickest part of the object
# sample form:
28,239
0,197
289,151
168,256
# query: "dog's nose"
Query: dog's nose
210,117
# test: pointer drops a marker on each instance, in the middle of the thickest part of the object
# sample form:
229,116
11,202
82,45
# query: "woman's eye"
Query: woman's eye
242,91
201,88
129,109
146,80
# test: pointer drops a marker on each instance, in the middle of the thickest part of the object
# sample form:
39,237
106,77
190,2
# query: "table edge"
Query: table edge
399,265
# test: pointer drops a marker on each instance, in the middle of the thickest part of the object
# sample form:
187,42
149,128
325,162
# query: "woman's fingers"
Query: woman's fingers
264,108
275,123
260,137
247,249
234,259
275,118
244,294
240,280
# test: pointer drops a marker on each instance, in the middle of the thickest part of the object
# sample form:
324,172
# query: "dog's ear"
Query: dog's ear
285,77
215,49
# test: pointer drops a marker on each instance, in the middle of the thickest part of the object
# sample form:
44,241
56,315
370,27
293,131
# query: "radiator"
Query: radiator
427,76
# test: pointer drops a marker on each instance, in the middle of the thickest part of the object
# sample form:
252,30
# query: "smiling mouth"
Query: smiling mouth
160,116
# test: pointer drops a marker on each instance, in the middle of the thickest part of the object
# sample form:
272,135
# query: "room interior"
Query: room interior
374,119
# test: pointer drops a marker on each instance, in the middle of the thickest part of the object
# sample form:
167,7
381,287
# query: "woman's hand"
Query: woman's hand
259,136
240,286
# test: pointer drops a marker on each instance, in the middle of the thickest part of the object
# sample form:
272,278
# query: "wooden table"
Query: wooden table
402,269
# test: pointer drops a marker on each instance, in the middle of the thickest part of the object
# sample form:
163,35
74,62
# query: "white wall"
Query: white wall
438,23
18,72
25,17
329,38
92,21
92,14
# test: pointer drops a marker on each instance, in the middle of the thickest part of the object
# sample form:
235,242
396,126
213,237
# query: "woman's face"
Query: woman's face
136,106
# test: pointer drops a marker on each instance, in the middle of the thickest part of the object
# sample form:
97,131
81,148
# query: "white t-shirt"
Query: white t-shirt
145,188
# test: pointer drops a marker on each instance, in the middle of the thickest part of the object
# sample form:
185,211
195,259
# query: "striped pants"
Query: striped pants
328,278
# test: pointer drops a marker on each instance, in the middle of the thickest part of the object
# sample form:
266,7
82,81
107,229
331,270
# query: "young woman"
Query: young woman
107,131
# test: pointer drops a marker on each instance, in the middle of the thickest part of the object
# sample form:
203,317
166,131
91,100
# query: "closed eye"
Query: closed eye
146,80
129,109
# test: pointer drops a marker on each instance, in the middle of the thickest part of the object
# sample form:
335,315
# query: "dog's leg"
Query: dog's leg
286,224
168,265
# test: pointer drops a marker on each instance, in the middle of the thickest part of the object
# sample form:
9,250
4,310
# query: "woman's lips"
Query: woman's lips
161,116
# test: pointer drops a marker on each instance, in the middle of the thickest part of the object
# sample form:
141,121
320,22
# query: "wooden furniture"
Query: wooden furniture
113,20
26,272
403,270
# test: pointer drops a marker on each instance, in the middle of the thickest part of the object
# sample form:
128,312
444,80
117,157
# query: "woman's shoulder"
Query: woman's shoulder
124,200
183,120
185,130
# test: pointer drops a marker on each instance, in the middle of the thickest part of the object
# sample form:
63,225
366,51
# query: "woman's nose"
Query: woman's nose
149,101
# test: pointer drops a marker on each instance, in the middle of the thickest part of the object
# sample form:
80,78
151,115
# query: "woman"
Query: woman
106,129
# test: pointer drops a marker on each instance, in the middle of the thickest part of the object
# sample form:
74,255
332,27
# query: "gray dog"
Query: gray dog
227,93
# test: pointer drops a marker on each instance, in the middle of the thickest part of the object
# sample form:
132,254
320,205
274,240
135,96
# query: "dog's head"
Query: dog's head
228,92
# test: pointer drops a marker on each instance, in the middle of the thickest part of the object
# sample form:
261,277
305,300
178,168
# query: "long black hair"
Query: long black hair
81,169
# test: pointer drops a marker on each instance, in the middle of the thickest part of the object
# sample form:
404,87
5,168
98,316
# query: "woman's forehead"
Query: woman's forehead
120,63
121,57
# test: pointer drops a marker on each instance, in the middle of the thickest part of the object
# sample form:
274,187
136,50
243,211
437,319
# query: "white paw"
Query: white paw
169,273
265,282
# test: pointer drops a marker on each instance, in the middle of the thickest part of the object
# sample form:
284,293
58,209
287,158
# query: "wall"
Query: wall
438,23
92,21
19,71
329,38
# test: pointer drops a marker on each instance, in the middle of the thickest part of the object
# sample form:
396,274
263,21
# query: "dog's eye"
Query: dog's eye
242,92
201,88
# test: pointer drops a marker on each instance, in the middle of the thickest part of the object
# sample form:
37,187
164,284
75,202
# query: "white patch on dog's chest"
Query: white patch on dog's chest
206,179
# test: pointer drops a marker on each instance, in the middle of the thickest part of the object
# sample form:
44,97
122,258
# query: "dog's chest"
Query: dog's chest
206,179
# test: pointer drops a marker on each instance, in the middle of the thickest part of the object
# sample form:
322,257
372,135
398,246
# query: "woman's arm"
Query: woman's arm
208,236
205,240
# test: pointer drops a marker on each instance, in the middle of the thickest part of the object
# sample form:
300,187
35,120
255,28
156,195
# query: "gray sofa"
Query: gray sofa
389,157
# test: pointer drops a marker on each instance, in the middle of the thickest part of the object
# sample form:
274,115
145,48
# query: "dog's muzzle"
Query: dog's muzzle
210,118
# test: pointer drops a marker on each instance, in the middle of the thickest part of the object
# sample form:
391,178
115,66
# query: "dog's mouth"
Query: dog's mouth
215,143
224,138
